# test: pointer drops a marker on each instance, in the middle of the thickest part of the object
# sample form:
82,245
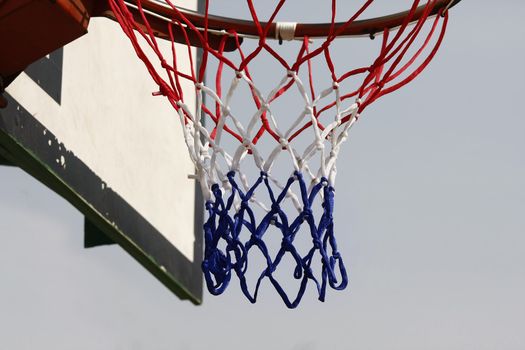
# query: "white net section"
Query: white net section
326,144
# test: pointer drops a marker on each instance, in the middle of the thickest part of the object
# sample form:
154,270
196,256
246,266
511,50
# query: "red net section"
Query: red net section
393,68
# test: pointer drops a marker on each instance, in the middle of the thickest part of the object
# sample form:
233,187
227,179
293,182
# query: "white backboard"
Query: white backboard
83,120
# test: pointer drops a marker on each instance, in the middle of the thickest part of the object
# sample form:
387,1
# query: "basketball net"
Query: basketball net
234,230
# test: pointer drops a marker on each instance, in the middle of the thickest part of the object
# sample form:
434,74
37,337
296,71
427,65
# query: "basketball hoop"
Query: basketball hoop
233,231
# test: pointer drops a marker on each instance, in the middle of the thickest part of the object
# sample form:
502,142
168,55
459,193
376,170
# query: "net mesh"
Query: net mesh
234,228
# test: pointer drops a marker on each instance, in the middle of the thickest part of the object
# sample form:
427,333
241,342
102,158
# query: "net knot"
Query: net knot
205,153
316,243
219,264
307,212
287,242
246,143
164,64
292,74
265,106
253,240
309,110
276,208
380,84
216,190
284,142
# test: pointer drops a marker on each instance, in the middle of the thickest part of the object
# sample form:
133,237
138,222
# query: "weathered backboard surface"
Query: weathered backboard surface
83,121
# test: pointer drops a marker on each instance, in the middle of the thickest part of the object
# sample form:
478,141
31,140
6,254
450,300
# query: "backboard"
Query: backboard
83,121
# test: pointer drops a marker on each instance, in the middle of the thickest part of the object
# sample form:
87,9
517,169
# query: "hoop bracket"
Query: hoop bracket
285,31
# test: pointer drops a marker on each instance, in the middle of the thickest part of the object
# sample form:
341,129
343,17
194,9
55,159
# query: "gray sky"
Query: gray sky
430,202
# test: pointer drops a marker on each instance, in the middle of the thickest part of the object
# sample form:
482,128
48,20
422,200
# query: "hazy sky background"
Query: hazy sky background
430,217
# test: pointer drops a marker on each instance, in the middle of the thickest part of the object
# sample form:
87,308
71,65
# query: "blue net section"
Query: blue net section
231,234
